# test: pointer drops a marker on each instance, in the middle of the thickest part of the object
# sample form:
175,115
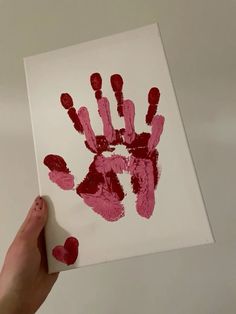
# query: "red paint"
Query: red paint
66,101
102,192
117,82
153,96
95,178
117,86
153,99
96,81
101,189
74,118
98,94
55,162
68,252
91,182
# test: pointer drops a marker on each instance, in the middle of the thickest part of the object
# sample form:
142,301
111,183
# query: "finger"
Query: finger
35,221
88,131
103,107
42,249
129,112
67,103
60,173
157,129
96,83
142,180
125,108
105,114
117,86
56,162
153,100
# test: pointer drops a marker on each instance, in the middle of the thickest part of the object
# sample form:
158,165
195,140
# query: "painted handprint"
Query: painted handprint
101,189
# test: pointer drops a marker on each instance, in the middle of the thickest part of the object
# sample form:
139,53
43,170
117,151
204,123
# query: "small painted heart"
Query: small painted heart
68,253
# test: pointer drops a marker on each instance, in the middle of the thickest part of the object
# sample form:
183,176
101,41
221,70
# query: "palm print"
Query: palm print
101,189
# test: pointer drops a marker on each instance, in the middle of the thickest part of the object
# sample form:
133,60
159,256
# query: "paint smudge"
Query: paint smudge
68,252
101,189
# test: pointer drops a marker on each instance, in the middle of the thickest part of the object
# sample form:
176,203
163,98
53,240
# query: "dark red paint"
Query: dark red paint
73,115
98,94
153,99
153,96
138,148
117,82
55,162
68,252
94,179
66,101
91,181
117,86
96,81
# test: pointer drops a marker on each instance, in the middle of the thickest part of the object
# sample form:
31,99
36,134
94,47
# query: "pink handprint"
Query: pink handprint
101,189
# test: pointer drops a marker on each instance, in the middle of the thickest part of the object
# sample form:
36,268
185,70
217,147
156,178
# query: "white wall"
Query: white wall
199,39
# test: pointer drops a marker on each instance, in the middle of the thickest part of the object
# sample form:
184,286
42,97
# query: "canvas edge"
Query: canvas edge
185,135
127,258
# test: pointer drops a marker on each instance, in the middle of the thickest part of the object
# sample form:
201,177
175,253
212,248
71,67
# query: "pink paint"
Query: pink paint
101,189
105,203
64,180
105,114
68,252
157,129
142,172
115,163
88,131
129,112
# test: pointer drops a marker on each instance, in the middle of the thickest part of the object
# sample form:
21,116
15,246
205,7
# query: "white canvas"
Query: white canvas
179,218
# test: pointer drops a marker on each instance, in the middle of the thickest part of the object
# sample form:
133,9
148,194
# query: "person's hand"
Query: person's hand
24,281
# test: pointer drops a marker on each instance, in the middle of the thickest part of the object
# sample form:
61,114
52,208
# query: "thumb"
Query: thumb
34,221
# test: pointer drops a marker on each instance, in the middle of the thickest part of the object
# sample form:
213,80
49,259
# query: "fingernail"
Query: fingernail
38,203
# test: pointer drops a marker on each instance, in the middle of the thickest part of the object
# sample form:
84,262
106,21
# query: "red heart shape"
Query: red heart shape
68,253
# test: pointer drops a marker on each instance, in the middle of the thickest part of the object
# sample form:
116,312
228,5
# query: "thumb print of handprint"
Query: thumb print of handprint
101,189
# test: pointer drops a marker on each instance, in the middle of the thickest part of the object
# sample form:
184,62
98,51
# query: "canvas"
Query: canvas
111,152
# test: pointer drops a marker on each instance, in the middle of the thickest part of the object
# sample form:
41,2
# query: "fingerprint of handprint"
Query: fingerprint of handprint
101,189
